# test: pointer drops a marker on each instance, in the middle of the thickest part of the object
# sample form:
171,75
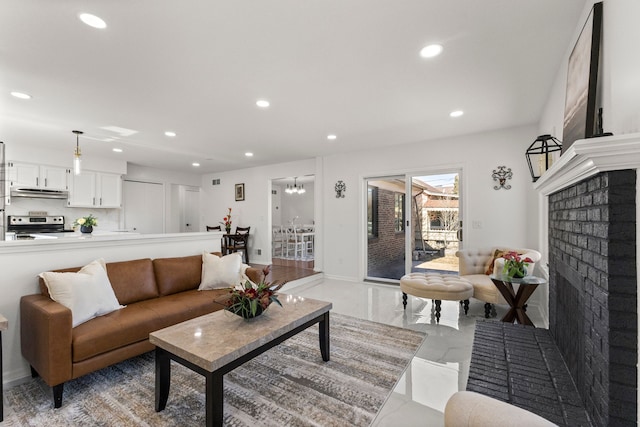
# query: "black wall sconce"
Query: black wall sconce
340,188
502,175
539,155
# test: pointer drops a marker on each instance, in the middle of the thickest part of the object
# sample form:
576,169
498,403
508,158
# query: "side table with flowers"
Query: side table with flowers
86,223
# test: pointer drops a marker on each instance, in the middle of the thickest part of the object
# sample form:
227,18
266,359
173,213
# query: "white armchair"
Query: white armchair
469,409
475,265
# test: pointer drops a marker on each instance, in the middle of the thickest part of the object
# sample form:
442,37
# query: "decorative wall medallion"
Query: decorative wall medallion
502,175
340,188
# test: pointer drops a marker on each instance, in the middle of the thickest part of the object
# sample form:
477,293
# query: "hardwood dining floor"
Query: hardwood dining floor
280,273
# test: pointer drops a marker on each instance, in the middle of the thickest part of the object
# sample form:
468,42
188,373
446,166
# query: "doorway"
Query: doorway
413,225
293,221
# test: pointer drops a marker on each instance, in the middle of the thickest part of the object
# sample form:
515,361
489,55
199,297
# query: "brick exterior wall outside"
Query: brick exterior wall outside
388,247
593,291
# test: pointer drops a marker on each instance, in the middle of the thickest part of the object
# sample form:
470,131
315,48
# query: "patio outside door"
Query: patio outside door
413,225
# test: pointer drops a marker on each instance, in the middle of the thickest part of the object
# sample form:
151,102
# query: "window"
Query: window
372,212
399,212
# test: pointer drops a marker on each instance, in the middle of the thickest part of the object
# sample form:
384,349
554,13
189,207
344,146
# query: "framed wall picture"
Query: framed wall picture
582,77
239,192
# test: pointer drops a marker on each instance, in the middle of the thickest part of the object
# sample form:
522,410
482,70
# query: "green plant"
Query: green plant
87,221
251,299
514,265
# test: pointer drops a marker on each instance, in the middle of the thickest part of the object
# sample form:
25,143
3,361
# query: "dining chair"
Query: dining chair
277,241
239,242
293,243
214,228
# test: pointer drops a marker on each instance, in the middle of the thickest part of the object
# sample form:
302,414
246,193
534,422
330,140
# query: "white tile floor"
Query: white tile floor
440,366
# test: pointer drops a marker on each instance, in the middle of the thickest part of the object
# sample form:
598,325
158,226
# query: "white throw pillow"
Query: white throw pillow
220,272
87,293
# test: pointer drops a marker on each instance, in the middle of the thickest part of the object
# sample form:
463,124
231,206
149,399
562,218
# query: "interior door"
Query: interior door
144,207
190,210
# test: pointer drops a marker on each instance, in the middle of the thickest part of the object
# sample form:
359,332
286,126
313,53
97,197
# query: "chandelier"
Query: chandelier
295,189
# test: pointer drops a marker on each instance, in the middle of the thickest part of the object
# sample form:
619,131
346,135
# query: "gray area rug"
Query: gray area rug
288,385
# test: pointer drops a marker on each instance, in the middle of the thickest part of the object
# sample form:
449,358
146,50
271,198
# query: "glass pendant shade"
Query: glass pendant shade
77,155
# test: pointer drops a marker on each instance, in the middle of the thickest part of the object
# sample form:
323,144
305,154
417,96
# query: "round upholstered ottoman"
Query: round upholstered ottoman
437,287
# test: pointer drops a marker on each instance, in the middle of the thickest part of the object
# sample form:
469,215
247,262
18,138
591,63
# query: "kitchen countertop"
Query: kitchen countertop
78,235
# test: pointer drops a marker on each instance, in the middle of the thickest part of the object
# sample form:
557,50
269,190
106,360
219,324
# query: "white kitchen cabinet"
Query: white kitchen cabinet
109,194
37,176
95,190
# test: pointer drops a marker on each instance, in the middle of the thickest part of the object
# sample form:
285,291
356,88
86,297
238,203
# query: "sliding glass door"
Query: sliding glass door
386,222
413,225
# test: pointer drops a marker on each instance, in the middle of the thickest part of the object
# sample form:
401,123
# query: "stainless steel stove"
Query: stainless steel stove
24,226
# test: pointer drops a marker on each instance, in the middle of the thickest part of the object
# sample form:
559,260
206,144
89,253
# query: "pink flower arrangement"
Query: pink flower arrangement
227,220
515,265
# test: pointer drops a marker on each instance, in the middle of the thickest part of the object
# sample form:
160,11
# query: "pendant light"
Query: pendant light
77,154
294,189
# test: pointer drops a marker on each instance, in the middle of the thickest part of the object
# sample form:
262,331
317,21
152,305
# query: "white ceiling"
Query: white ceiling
348,67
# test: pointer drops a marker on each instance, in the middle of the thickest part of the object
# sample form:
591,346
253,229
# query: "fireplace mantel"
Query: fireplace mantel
588,157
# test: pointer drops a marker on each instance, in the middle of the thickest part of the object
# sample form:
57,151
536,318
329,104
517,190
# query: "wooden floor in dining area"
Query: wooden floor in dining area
280,273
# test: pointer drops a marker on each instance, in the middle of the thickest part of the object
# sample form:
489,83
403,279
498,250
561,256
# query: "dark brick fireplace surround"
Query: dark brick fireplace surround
593,291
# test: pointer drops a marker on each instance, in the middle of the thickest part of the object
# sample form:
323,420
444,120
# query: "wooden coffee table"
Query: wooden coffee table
217,343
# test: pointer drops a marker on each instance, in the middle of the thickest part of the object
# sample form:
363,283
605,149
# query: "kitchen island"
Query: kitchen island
22,260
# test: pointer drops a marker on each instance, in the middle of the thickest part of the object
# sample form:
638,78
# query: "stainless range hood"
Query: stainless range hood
38,193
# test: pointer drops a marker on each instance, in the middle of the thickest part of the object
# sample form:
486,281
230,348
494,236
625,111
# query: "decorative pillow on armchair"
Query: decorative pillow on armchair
87,293
498,253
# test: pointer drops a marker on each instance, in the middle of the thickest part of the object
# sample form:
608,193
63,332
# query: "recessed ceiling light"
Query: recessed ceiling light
331,137
456,113
248,154
195,164
169,133
21,95
118,150
92,21
262,103
431,50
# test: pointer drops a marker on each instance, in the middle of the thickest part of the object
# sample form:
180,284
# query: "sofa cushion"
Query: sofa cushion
87,293
133,323
219,273
175,275
133,281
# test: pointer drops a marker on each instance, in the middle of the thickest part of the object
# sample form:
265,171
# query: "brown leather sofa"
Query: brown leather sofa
157,293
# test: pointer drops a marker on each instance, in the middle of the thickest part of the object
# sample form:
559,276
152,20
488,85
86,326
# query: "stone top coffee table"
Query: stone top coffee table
219,342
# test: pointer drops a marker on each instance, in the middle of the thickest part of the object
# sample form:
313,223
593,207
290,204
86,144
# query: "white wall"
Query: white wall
255,210
43,156
620,68
173,182
504,214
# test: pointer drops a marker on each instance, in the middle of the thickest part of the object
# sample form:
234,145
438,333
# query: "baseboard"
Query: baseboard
309,280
